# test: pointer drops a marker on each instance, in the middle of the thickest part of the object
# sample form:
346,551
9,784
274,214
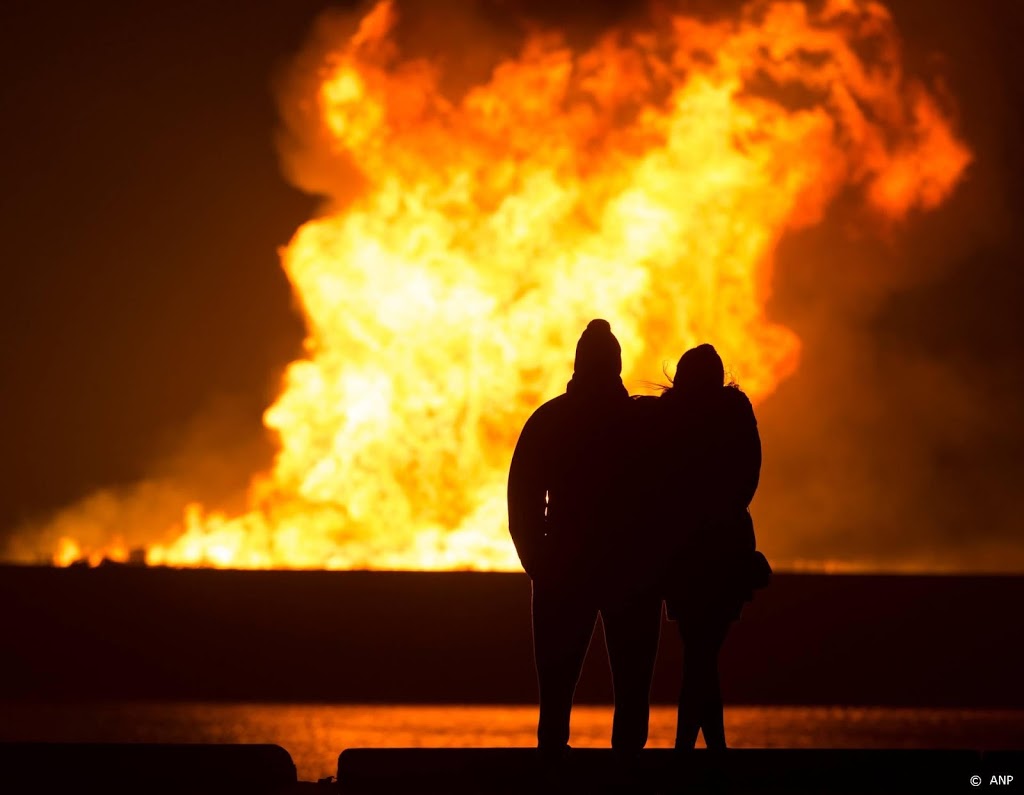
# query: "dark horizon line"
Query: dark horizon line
113,565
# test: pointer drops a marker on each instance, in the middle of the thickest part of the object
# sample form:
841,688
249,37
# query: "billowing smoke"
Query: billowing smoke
209,463
900,440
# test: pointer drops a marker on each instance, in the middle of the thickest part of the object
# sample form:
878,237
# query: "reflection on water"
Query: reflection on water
314,734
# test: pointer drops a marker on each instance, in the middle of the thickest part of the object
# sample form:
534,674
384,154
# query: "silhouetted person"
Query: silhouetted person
709,460
566,506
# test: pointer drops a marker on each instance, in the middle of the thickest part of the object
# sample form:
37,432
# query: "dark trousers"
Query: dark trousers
563,623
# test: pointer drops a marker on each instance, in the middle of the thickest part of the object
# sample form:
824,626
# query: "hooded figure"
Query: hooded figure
568,519
708,462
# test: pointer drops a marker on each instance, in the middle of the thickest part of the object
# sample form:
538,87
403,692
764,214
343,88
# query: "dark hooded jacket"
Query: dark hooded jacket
565,495
706,466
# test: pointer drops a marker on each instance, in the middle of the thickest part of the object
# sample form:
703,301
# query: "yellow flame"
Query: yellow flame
646,180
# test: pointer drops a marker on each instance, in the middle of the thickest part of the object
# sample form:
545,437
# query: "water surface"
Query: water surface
314,734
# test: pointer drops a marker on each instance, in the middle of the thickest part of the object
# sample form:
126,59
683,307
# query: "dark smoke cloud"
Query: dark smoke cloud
209,461
900,441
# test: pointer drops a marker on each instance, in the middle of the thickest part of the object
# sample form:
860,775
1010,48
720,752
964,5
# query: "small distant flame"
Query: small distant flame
647,180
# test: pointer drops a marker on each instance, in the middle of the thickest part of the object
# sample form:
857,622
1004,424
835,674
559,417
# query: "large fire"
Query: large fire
647,180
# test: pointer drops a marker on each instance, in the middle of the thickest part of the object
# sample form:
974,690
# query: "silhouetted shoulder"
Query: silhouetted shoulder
537,435
546,413
737,403
644,413
643,404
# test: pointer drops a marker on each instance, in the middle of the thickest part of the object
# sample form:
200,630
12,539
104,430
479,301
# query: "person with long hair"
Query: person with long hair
707,465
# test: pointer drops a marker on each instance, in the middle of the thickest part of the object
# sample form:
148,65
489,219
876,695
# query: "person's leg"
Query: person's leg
713,713
632,633
700,698
563,623
688,717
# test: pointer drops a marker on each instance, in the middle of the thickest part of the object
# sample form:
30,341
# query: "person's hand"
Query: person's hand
534,564
547,561
540,567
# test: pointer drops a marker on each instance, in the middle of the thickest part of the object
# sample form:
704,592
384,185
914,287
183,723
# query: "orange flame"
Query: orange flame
647,180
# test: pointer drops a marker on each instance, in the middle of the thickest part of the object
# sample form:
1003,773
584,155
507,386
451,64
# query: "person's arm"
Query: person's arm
753,460
527,497
747,451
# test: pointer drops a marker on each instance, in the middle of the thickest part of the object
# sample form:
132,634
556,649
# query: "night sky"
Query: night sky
143,204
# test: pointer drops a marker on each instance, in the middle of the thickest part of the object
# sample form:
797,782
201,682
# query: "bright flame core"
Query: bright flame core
647,180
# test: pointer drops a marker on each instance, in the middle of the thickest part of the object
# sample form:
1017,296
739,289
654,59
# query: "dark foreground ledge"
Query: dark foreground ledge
520,770
163,769
119,769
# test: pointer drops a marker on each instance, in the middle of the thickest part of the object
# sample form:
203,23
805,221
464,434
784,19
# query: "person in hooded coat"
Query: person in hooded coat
568,516
708,464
